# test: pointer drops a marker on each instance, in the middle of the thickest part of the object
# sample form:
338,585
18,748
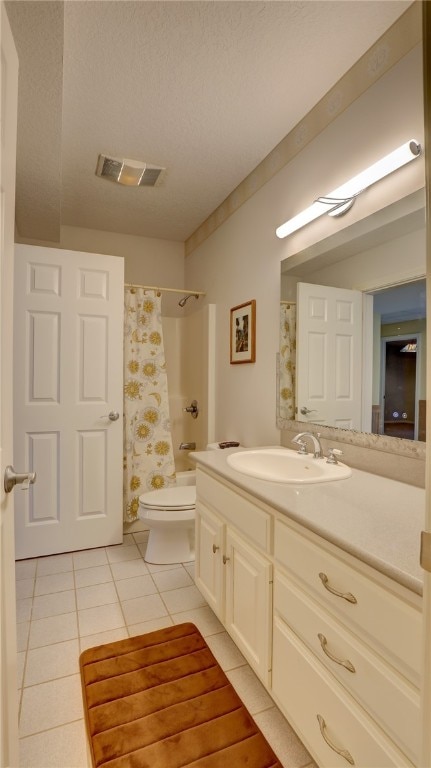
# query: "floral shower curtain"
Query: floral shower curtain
148,451
287,359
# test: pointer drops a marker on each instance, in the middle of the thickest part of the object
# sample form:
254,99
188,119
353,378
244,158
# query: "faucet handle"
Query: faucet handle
332,455
302,446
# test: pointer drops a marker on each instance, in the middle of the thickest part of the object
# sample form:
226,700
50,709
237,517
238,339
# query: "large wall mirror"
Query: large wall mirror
353,332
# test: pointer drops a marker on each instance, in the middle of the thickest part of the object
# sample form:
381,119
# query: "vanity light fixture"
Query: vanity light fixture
341,199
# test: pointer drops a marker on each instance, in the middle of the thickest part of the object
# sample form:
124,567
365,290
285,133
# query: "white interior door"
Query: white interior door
8,677
68,378
329,355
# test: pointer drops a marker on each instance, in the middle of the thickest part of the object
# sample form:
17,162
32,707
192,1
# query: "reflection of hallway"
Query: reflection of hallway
400,389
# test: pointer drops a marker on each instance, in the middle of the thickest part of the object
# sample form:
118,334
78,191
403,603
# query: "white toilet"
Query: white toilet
170,516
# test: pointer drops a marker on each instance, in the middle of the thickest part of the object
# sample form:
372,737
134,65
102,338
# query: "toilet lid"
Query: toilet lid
177,497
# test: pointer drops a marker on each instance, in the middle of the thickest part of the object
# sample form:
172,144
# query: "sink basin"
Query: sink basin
281,465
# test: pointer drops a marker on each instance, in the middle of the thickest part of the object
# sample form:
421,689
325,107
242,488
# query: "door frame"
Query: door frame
8,644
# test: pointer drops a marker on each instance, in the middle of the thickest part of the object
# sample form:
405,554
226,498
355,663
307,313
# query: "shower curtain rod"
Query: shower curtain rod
170,290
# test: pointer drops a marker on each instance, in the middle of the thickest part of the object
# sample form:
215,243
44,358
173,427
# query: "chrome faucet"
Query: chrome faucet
299,440
187,447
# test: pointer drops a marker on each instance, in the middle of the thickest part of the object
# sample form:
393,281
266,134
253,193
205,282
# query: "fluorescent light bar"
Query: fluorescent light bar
342,198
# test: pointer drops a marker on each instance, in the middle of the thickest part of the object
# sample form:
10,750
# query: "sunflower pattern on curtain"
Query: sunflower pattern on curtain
148,451
287,359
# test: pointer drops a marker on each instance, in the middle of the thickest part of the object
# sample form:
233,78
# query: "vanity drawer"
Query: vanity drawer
389,698
248,518
304,690
391,624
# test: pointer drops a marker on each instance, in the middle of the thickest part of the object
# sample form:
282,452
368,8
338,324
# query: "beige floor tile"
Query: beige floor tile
149,626
89,558
128,569
54,629
20,661
23,609
62,747
100,619
98,574
283,739
58,582
54,564
143,609
174,579
50,704
141,536
25,569
97,594
177,600
52,661
155,567
225,651
190,568
122,553
101,638
250,689
137,587
22,633
152,597
54,604
24,588
204,619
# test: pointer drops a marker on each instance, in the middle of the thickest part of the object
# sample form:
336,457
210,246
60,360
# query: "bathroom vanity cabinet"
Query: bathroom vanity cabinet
336,642
232,569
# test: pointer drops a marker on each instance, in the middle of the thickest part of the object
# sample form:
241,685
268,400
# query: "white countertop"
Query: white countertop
377,520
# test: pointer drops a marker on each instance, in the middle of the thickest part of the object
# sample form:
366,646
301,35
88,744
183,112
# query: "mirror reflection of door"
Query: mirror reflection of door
401,413
329,355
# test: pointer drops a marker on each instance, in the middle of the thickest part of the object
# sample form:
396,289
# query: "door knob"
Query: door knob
12,478
112,416
305,411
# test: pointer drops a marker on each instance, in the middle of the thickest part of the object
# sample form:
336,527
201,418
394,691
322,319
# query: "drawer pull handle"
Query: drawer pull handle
345,595
215,548
225,559
343,752
344,663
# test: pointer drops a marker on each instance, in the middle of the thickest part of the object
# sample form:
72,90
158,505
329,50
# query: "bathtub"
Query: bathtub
186,478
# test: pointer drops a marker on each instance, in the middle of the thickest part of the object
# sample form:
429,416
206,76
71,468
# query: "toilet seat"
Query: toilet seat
175,498
170,517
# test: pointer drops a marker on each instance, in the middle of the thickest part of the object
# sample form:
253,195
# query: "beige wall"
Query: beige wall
241,259
146,260
189,354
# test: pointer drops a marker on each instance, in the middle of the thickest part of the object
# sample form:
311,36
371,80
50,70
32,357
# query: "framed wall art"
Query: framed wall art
243,333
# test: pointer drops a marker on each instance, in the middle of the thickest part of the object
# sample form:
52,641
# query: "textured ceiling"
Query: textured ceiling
205,89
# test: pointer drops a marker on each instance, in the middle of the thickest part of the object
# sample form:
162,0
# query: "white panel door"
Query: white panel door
8,658
68,374
329,355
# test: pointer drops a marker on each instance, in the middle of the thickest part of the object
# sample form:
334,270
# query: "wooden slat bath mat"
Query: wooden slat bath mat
161,700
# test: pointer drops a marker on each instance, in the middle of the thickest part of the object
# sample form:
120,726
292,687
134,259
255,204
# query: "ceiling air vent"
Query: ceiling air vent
130,173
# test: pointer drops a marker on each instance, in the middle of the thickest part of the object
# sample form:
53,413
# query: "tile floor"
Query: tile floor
69,602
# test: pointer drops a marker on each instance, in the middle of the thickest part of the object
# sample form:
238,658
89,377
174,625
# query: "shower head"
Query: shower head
183,301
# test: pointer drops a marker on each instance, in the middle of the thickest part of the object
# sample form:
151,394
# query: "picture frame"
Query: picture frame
243,333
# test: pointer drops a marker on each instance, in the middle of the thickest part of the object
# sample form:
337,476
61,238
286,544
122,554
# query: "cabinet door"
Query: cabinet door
249,602
209,576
